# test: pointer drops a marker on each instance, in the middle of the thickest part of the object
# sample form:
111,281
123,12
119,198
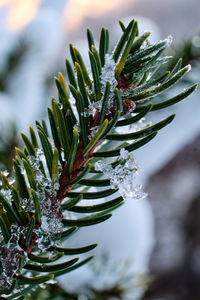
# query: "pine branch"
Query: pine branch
41,206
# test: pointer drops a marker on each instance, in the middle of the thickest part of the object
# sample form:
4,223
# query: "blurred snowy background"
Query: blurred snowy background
152,233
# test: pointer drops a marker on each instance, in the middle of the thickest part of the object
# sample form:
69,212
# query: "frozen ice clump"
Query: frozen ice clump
12,257
93,131
49,227
46,188
93,108
6,192
49,204
108,73
169,40
5,173
123,175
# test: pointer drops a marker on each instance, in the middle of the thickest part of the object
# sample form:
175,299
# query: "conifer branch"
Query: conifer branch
51,177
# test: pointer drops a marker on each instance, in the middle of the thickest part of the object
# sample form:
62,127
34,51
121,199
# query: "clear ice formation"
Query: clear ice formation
123,175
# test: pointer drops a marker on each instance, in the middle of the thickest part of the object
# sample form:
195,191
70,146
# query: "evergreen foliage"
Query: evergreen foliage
46,201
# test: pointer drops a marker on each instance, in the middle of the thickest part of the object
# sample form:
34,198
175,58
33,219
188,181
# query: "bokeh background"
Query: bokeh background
159,237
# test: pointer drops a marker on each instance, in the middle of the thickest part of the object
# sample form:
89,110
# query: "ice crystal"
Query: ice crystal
107,74
10,259
93,131
6,191
13,257
46,189
5,173
49,204
73,105
123,175
93,108
1,238
169,40
7,194
49,227
16,231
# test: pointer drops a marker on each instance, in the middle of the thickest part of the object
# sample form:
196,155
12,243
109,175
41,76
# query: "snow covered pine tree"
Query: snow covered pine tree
40,206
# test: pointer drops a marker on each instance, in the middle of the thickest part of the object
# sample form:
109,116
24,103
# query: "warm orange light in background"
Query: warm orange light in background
3,2
20,12
77,10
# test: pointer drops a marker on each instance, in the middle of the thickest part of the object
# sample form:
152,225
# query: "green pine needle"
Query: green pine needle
54,175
